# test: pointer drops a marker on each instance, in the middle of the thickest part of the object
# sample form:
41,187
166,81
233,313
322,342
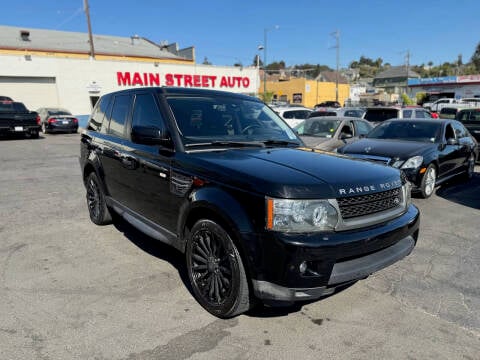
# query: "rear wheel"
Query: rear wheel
470,167
428,182
97,206
216,271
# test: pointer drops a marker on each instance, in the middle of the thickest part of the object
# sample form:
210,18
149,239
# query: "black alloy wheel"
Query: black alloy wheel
216,271
97,207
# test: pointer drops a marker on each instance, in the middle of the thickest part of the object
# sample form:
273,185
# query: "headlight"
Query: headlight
412,163
300,215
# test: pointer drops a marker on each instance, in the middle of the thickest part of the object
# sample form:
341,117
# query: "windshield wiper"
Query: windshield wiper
228,144
273,142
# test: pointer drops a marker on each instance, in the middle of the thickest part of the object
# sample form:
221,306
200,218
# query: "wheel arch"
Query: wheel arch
219,206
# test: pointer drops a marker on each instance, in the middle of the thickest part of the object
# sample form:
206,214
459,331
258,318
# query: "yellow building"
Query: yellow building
306,92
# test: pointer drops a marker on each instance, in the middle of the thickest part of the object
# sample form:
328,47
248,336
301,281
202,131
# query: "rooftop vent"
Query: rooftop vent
25,35
135,39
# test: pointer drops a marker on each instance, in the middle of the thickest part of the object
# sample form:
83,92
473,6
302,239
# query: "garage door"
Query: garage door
34,92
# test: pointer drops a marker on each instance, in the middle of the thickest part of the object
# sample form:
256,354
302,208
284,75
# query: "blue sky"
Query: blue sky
227,32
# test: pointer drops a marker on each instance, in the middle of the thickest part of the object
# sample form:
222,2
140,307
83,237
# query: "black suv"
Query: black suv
471,119
223,179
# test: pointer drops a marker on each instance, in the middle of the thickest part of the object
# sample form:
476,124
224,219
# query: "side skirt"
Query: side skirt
145,225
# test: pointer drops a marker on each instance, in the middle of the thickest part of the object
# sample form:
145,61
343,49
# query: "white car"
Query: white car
293,115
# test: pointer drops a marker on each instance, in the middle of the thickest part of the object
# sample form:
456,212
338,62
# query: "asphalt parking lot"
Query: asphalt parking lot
72,290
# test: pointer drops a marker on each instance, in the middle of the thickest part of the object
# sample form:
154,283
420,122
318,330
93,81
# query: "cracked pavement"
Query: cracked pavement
73,290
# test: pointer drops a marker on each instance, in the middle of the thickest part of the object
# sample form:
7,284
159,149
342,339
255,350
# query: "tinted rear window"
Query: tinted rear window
380,114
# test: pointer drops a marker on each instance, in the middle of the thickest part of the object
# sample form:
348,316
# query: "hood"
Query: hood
387,148
301,173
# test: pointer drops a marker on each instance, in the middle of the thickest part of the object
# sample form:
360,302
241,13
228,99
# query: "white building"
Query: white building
46,68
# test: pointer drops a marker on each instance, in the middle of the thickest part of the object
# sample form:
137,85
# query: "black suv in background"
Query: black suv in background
222,178
470,118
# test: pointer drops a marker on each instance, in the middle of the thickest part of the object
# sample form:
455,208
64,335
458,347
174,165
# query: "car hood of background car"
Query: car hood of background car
291,172
387,148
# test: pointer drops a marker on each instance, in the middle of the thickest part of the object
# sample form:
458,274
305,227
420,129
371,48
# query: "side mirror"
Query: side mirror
452,141
150,135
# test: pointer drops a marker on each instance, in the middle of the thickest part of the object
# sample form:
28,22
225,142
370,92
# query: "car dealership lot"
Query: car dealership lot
72,290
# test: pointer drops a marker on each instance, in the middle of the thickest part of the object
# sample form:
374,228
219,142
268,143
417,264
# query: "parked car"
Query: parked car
439,104
5,98
331,132
429,152
378,114
350,112
293,115
16,119
450,112
332,104
57,120
470,118
223,179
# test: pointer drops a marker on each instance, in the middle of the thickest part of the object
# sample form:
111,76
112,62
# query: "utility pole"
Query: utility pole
337,46
407,61
86,8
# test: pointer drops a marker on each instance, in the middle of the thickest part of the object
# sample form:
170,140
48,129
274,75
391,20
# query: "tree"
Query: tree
476,58
255,59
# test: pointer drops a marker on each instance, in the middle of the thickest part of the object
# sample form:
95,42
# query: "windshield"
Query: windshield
318,127
380,114
204,120
424,131
58,112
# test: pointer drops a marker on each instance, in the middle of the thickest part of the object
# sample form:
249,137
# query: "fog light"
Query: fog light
303,267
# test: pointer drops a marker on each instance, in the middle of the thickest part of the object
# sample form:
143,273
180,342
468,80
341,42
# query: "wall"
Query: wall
313,92
76,80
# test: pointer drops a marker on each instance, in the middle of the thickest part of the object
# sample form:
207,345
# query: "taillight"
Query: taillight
38,120
51,120
75,120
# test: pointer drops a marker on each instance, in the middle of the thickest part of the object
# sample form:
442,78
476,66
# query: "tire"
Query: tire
429,179
97,207
216,270
470,167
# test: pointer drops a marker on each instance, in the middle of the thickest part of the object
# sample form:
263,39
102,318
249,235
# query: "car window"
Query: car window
419,114
353,113
449,132
98,113
120,112
407,114
380,114
146,112
363,128
289,114
460,131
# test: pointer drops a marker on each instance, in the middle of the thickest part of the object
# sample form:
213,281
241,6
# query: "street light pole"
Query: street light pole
264,63
265,30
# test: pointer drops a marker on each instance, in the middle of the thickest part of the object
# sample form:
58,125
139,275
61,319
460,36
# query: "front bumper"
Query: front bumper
332,260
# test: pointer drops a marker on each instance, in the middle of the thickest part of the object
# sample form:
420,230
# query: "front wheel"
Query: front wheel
97,206
470,167
428,182
216,271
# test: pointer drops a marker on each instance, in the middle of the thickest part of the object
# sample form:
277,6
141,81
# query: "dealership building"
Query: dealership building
47,68
458,87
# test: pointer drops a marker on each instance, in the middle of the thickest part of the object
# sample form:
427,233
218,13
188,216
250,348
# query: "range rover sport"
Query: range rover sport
257,215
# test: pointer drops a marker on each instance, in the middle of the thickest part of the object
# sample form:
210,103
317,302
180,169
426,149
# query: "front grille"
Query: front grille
355,206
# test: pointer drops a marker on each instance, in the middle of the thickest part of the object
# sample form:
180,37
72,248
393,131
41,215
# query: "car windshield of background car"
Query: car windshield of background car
376,115
407,130
229,119
320,127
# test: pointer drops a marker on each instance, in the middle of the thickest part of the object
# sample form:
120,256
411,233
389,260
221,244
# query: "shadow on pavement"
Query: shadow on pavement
462,192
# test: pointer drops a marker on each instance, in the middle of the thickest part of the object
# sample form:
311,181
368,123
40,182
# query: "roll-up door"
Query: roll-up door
34,92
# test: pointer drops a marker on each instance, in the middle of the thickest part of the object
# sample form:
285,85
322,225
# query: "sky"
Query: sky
297,32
